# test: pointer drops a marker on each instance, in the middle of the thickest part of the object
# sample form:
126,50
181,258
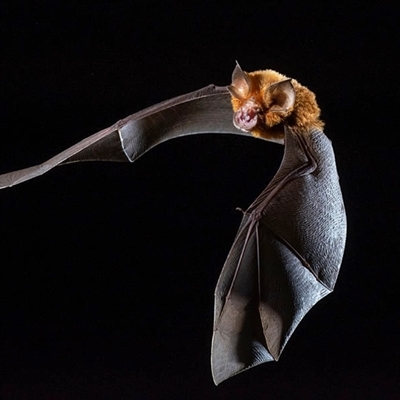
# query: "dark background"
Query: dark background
108,270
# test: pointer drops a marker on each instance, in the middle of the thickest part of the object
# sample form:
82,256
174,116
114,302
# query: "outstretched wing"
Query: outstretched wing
285,258
207,110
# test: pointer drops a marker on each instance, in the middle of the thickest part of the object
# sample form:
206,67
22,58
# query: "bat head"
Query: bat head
265,101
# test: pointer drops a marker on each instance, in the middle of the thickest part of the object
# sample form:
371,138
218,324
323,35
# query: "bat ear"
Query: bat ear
241,85
283,96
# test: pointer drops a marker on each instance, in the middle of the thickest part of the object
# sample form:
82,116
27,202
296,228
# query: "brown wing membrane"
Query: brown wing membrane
207,110
285,258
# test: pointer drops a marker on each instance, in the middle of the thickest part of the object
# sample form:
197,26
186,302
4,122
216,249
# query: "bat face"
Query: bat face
265,101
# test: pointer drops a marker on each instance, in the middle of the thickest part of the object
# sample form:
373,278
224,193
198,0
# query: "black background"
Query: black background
108,270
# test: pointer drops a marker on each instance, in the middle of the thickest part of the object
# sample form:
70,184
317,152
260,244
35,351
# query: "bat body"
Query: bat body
288,250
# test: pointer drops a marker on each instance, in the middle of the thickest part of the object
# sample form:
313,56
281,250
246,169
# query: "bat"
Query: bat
289,247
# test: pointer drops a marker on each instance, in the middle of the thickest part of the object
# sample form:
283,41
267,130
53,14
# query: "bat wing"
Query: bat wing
207,110
285,258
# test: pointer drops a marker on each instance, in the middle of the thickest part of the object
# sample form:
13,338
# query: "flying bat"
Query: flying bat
289,247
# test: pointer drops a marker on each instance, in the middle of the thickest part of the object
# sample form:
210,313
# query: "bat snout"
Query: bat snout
247,117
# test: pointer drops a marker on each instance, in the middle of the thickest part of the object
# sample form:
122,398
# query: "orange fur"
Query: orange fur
304,114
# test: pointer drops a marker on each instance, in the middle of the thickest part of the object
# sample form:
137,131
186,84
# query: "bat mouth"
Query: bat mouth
247,117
